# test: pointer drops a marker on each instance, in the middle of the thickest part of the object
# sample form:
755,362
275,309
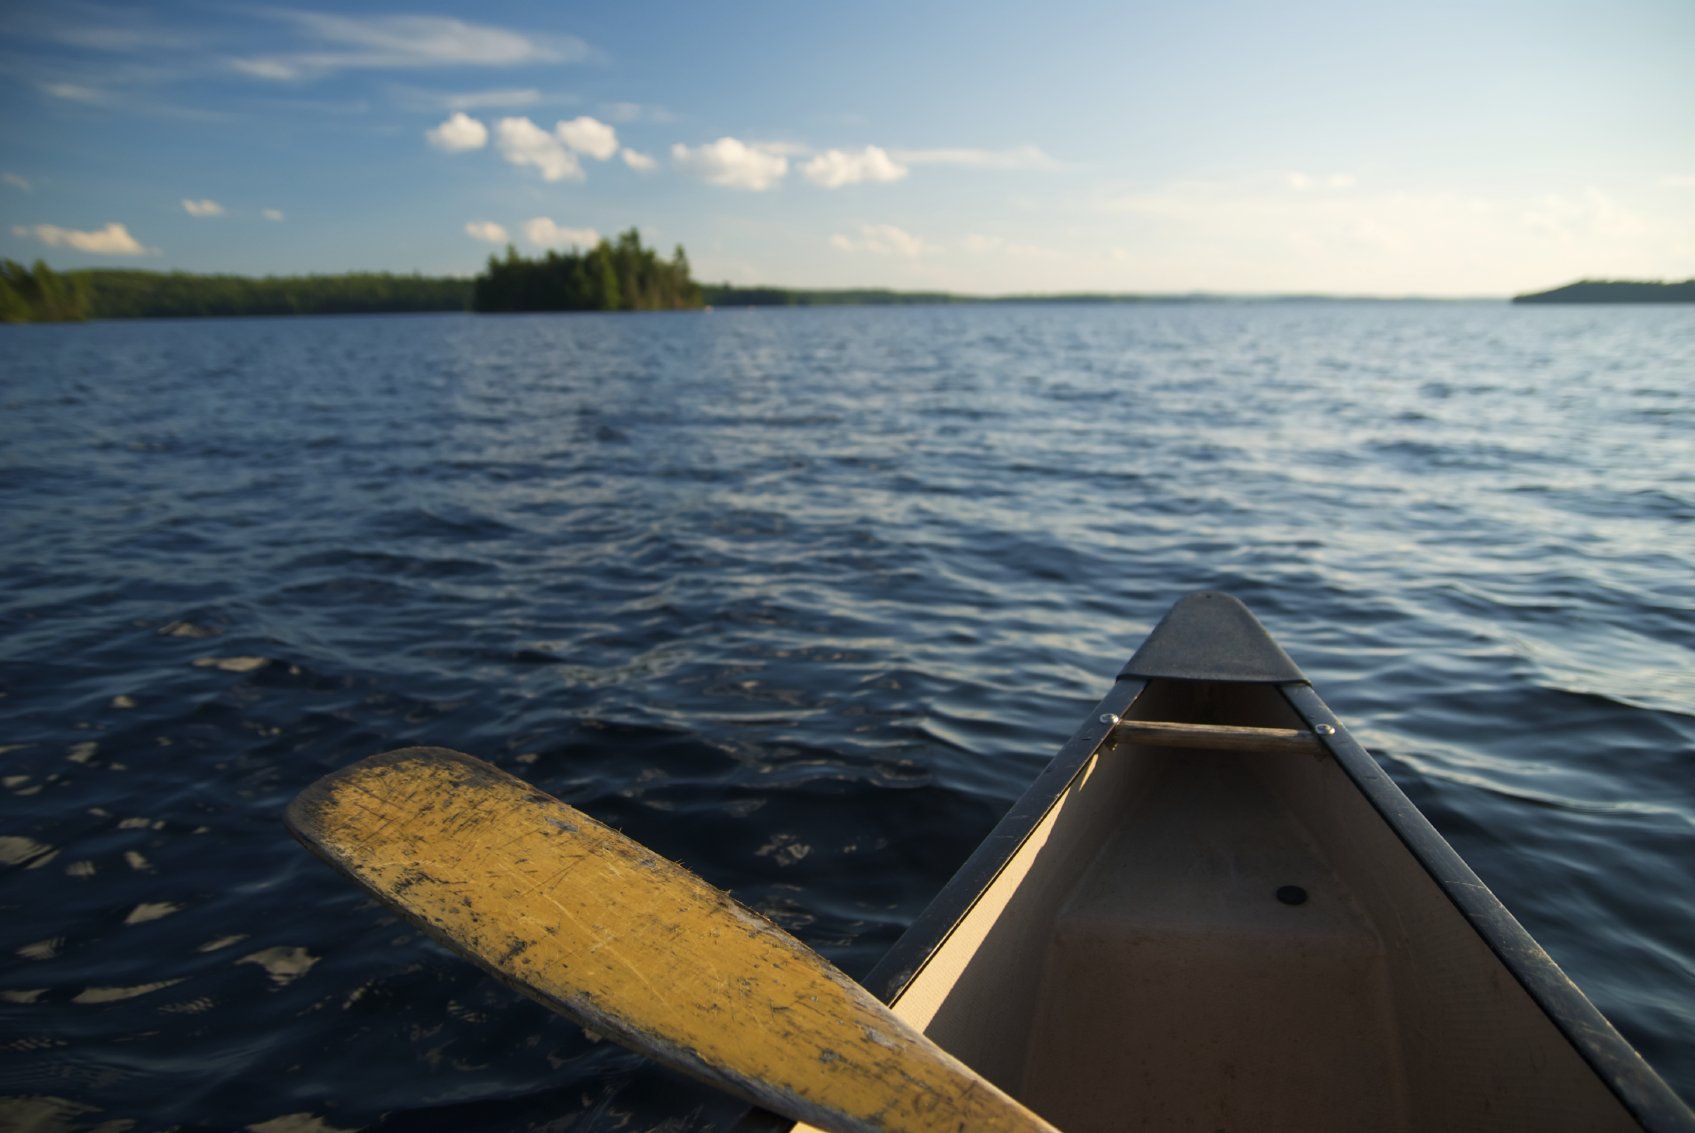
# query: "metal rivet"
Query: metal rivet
1325,730
1291,894
1109,719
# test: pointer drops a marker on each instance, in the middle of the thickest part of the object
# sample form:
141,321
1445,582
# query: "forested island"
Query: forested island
615,275
1614,291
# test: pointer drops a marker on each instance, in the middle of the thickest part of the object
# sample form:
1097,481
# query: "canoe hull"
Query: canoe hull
1123,951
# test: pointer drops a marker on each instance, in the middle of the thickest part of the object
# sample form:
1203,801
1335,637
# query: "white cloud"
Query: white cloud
277,69
459,134
107,84
1582,216
882,240
112,240
588,136
76,92
343,42
1018,157
522,142
204,207
545,233
732,164
17,181
835,168
486,230
1677,181
432,99
640,162
271,214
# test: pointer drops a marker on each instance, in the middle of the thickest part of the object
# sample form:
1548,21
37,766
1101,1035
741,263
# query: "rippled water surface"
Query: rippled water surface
800,598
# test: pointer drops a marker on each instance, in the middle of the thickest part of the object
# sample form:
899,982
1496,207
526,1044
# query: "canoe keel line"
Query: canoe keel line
1211,911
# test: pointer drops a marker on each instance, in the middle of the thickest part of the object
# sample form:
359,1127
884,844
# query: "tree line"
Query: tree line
1615,291
615,275
620,275
40,295
122,294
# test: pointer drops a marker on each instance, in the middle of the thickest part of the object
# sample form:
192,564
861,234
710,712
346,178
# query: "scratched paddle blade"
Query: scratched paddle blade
606,932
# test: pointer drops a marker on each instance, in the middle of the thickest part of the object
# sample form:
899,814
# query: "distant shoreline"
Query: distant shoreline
1614,291
122,294
126,294
726,295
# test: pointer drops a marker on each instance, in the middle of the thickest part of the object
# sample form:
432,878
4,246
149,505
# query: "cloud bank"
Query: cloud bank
345,42
589,137
112,240
882,240
459,134
834,168
544,232
522,142
732,164
486,230
506,98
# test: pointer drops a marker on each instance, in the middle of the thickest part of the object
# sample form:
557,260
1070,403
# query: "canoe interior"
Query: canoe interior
1131,966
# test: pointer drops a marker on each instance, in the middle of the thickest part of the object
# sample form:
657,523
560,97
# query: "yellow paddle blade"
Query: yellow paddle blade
603,931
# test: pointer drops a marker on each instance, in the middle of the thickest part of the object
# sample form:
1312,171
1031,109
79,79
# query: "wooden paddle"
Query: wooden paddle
588,922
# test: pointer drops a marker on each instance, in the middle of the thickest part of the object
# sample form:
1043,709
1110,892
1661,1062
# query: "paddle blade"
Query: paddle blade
630,945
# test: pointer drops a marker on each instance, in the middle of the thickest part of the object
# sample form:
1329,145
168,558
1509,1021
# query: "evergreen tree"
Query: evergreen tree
619,275
40,295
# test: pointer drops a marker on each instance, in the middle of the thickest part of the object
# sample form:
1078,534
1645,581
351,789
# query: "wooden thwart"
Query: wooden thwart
596,927
1218,737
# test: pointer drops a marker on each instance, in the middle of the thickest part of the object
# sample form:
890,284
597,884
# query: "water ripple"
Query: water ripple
800,598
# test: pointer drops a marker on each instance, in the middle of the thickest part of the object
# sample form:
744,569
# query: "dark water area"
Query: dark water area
802,599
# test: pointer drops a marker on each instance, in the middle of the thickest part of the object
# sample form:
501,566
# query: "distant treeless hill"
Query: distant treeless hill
1614,291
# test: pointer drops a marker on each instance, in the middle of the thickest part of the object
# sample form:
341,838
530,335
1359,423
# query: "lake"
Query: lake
802,599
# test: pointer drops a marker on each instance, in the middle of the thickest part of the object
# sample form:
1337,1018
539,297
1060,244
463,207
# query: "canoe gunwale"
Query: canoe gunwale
930,931
908,955
1618,1065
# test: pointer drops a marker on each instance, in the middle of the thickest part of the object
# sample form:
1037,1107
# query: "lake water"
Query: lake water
801,598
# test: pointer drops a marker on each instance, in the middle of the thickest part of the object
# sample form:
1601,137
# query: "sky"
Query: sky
1428,148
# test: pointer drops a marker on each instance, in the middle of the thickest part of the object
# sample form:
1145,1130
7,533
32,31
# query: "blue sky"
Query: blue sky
1421,148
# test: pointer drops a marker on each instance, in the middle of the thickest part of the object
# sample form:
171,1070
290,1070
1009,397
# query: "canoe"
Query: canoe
1214,911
